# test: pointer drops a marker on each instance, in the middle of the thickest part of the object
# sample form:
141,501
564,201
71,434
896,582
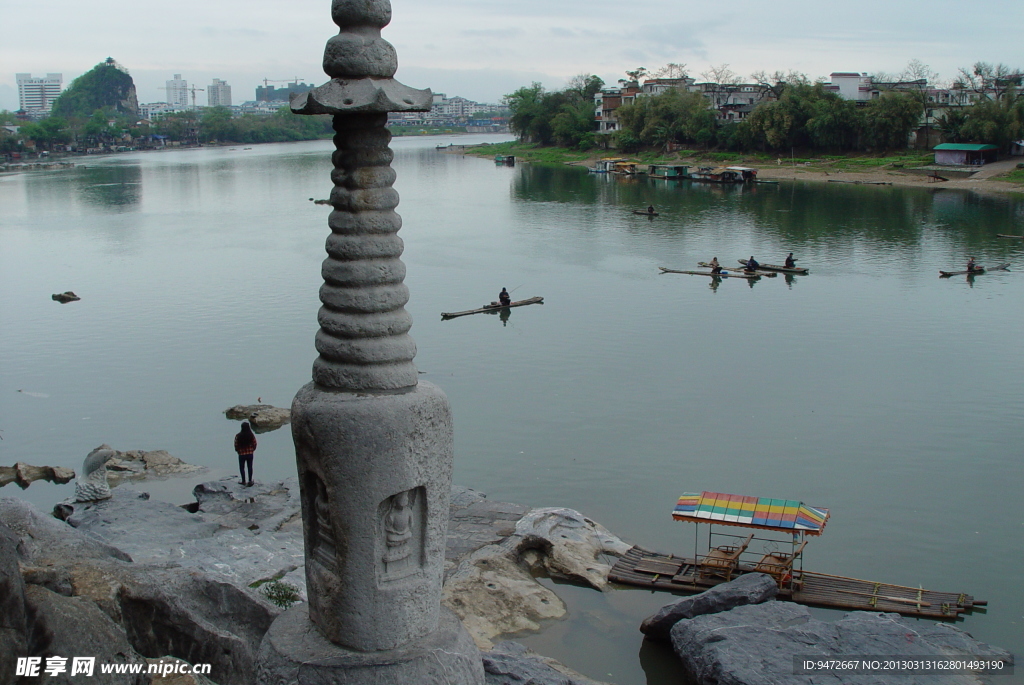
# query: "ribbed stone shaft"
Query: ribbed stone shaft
363,339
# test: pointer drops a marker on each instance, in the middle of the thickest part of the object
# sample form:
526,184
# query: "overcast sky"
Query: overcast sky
483,49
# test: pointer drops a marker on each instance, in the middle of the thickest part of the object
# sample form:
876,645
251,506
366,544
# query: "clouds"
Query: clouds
478,48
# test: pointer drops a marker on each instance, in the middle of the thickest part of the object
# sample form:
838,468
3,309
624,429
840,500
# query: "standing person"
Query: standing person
245,445
790,262
504,297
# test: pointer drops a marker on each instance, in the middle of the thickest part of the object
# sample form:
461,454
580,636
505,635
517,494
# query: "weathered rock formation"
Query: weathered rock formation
750,588
510,663
25,474
756,645
262,417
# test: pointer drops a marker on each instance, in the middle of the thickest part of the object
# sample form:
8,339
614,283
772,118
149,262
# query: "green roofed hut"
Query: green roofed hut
965,154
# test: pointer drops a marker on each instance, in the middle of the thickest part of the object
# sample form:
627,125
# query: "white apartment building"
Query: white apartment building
218,94
38,94
177,91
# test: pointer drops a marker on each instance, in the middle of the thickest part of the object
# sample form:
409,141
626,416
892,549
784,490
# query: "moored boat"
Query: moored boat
724,174
780,269
493,307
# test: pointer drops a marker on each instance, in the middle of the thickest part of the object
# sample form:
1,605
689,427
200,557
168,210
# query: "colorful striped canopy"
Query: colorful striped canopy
750,512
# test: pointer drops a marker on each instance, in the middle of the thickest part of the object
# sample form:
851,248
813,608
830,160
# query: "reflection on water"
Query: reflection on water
117,186
849,388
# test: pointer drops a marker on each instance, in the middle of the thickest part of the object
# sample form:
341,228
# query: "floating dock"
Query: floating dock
666,572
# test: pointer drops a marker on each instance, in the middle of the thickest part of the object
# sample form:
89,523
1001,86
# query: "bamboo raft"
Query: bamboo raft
642,213
666,270
669,573
780,269
769,274
493,307
979,270
1003,235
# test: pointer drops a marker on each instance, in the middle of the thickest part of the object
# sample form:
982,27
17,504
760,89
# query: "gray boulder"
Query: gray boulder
262,417
45,539
750,588
73,626
510,663
12,603
756,645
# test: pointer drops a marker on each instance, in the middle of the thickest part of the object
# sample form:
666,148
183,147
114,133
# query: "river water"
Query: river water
870,387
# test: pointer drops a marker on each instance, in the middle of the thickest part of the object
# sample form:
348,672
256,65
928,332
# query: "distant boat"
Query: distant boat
724,274
979,270
1003,235
493,307
643,212
724,174
782,269
769,274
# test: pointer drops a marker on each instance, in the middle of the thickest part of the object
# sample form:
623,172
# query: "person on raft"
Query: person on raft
504,298
790,262
716,268
752,264
972,265
650,209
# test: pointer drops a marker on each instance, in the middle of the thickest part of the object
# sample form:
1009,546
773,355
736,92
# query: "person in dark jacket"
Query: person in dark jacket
752,264
505,298
245,446
790,262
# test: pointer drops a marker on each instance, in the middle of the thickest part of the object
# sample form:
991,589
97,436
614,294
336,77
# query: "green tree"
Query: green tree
889,119
834,124
47,133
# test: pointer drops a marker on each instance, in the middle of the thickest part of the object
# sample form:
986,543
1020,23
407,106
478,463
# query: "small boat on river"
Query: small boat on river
769,274
780,269
724,274
642,212
724,174
493,307
1003,235
975,272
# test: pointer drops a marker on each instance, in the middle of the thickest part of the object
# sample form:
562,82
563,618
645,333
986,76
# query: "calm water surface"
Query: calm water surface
870,387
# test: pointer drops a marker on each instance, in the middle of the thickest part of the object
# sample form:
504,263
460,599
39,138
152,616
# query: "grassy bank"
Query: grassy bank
850,162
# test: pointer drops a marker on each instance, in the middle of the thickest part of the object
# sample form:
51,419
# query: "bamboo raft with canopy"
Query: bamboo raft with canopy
764,516
493,307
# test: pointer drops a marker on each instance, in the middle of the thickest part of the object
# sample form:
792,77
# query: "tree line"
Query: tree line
793,112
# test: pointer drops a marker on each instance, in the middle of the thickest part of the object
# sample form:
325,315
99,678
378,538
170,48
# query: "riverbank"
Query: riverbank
911,169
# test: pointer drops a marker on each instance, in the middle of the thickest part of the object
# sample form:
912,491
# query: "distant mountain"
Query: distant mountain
107,86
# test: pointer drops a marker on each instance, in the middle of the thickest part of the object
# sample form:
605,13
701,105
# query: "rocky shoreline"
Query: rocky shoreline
130,579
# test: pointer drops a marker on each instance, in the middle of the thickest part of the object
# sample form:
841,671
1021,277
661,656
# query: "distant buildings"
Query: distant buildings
267,93
177,91
36,95
218,94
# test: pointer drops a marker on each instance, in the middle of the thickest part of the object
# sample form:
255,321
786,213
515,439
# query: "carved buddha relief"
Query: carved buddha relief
400,538
322,542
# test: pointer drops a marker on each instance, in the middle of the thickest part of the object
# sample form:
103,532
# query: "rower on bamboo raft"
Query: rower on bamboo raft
752,264
504,298
716,268
790,261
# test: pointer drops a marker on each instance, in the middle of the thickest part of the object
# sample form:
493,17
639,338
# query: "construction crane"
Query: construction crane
280,80
191,89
